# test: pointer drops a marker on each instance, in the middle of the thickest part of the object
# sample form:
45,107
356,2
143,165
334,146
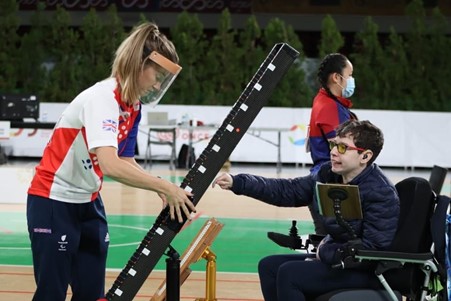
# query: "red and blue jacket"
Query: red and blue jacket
327,113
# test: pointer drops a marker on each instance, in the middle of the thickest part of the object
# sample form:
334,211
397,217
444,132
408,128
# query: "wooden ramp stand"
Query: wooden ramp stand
198,248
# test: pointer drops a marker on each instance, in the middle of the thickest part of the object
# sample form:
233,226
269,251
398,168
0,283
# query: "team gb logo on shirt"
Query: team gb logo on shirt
109,125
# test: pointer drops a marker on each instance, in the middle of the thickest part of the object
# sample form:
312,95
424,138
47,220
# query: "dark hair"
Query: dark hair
365,135
331,63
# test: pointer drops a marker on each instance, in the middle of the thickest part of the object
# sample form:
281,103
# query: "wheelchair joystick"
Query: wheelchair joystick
294,230
292,240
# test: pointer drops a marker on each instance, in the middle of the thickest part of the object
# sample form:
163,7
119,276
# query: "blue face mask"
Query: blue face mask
350,86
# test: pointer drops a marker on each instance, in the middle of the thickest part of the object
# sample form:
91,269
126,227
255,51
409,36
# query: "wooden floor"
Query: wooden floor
17,283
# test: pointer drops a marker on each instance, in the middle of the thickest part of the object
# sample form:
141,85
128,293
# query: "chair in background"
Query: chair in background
162,131
161,135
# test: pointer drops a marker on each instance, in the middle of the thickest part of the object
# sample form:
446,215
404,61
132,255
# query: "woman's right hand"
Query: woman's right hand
179,202
225,181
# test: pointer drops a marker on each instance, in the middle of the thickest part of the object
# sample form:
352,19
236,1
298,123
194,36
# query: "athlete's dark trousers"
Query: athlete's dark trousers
69,243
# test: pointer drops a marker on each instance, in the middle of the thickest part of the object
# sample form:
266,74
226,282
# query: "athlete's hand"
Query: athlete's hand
179,203
163,199
225,181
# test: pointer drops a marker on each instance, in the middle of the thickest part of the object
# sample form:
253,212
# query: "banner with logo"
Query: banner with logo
412,139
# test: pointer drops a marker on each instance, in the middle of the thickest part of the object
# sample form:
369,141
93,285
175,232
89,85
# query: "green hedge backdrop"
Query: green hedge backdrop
408,71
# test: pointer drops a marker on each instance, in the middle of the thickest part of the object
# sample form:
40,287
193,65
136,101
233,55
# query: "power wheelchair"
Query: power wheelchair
414,266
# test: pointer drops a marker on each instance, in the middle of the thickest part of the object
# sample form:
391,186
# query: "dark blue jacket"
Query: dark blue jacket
380,204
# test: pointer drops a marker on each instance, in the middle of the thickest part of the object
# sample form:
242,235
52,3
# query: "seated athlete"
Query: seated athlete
353,152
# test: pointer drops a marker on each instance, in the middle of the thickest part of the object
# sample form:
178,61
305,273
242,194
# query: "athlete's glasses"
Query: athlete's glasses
342,148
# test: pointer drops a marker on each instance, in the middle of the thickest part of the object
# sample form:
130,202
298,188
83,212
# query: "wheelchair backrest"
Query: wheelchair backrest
437,178
414,231
416,200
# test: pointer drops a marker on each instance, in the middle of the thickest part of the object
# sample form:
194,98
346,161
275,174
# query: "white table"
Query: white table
253,131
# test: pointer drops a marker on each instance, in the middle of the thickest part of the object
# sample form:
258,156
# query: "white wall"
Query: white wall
412,139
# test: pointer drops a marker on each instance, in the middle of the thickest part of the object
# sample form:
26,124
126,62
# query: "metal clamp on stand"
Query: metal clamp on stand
210,276
172,275
338,195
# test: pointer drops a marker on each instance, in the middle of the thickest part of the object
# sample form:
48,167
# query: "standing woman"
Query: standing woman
331,107
96,137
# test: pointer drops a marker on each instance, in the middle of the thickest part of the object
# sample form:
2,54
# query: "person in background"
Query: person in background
331,107
299,277
96,137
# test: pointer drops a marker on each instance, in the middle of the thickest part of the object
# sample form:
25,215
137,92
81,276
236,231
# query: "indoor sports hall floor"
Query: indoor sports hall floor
131,213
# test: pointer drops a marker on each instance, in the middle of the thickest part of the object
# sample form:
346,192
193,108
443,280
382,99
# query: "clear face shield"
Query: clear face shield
166,72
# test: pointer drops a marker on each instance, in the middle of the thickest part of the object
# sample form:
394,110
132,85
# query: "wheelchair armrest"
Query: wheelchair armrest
388,260
385,260
315,239
391,255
